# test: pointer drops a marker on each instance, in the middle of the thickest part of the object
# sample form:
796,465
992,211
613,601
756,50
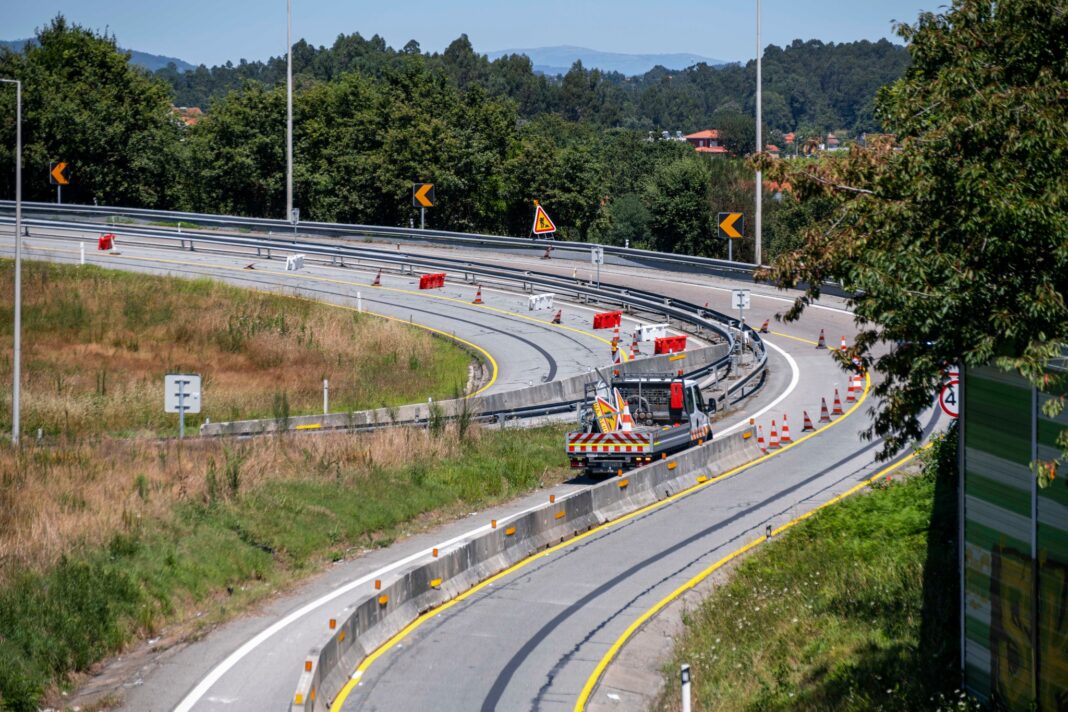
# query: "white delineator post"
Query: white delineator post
685,688
16,361
326,396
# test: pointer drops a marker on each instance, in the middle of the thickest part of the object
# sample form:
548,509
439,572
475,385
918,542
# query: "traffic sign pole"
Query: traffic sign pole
59,194
181,409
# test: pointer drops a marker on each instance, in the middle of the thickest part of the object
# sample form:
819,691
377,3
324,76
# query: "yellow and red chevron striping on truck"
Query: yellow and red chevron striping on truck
609,442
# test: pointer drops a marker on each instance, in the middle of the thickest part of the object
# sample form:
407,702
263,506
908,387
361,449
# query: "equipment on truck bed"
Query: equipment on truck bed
631,420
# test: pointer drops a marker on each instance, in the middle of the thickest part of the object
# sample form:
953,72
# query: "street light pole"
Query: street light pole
16,362
289,109
759,141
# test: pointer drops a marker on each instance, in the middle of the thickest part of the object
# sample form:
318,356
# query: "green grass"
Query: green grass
855,609
236,544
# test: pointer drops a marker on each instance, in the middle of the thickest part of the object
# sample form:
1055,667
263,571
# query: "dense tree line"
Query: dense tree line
492,136
813,86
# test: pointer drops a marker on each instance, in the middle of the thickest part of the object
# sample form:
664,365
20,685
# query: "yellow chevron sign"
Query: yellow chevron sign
729,225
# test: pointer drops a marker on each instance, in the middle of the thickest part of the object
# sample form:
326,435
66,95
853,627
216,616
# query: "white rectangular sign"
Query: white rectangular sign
294,216
181,389
651,332
740,298
294,263
540,301
597,255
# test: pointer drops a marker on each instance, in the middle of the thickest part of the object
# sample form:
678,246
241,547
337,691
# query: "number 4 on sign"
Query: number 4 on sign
949,399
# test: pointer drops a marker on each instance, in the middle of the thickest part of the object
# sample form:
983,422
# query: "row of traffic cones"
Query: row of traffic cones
779,437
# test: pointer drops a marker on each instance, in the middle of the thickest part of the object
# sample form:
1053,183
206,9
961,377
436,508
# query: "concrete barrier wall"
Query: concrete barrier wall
428,585
563,390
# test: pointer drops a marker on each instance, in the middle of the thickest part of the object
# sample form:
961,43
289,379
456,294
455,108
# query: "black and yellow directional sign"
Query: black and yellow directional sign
59,173
731,225
423,195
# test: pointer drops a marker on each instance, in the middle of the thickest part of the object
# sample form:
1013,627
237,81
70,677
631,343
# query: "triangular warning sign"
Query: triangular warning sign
542,223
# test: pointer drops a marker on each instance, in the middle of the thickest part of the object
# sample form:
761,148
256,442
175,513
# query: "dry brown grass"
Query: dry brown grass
78,495
97,343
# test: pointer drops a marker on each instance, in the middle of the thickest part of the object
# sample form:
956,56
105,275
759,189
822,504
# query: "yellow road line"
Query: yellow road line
339,701
795,338
494,369
613,650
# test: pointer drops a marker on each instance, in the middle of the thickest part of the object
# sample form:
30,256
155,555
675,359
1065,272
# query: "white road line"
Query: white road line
795,378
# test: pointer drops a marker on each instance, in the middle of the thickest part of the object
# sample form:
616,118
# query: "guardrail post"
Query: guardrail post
685,674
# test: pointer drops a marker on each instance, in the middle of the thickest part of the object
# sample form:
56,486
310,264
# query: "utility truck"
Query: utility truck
632,420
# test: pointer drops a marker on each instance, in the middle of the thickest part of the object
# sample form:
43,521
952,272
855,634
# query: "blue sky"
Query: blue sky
213,31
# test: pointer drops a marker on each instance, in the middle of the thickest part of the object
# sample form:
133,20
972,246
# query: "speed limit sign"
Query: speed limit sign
949,398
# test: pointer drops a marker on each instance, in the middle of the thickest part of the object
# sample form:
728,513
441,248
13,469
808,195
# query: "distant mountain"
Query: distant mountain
151,62
558,60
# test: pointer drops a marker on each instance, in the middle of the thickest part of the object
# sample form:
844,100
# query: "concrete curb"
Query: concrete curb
425,586
564,390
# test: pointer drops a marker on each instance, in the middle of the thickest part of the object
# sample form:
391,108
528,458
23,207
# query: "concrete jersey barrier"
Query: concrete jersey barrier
561,391
428,585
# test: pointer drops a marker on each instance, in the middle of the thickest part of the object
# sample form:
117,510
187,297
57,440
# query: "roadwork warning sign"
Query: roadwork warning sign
543,225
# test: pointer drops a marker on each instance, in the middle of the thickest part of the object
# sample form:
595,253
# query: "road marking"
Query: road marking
795,378
613,650
339,701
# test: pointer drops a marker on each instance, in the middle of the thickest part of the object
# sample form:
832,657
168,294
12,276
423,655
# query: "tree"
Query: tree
678,198
954,235
85,104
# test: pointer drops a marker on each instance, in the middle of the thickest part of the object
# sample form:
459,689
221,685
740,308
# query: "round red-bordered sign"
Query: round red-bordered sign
949,399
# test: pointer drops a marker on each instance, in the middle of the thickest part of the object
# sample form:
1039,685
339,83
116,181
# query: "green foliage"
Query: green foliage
854,609
85,104
955,233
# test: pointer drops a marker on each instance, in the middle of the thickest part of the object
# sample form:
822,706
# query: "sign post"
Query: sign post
59,176
731,227
181,395
597,258
422,198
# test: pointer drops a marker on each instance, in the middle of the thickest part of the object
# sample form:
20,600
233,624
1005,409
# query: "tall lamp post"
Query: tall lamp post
289,109
16,362
759,142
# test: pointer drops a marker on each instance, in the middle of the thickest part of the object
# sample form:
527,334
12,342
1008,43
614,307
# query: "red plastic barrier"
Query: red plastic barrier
432,281
607,320
106,242
670,344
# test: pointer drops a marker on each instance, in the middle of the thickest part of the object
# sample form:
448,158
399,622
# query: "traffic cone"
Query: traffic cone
764,326
825,415
634,345
822,343
557,316
785,438
843,347
773,441
478,295
851,395
615,336
837,409
378,279
760,439
807,427
617,357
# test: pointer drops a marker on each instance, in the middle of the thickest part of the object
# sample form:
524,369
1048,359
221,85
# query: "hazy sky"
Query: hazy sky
213,31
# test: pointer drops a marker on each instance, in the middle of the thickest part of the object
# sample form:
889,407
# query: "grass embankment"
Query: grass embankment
104,544
97,343
855,609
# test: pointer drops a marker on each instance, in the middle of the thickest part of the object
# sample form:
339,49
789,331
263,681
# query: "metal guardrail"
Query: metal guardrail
682,311
620,255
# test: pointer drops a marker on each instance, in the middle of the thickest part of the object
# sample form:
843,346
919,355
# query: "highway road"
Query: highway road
532,639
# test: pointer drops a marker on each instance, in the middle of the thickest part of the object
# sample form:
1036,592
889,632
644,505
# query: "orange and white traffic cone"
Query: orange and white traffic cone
764,326
837,409
807,426
617,357
378,280
825,415
785,431
615,336
557,316
822,343
478,295
851,394
843,346
760,439
773,440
